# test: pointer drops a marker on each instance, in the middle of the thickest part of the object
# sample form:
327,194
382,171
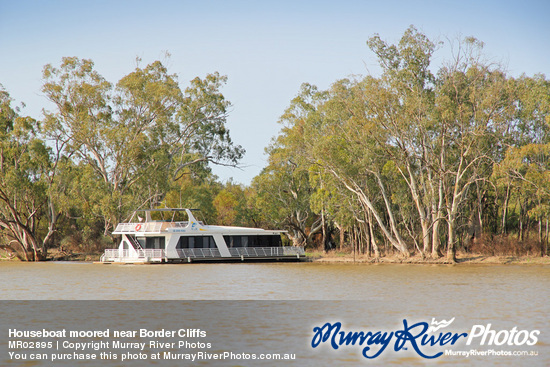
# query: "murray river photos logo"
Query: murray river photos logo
427,340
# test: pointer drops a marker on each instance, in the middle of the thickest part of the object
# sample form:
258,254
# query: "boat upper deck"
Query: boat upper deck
185,227
149,226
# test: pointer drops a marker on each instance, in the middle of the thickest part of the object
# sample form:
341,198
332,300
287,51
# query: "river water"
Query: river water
273,307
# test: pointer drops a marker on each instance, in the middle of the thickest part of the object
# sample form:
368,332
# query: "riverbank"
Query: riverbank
57,255
343,258
461,258
336,257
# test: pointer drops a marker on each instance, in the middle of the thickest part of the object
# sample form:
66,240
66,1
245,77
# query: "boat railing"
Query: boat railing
294,250
159,255
148,227
198,252
179,224
147,254
265,251
241,252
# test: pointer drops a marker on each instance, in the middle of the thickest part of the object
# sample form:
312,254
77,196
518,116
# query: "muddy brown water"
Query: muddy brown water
289,299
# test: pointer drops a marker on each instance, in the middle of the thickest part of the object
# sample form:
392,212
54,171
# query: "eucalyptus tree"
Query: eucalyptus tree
349,145
282,194
283,189
231,205
132,139
373,136
411,146
403,104
525,168
474,105
442,133
196,189
25,168
326,133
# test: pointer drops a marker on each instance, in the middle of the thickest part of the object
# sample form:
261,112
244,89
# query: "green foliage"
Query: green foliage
398,162
108,149
412,150
24,168
131,141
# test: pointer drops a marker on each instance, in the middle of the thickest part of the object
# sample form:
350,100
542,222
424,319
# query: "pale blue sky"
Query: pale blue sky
266,48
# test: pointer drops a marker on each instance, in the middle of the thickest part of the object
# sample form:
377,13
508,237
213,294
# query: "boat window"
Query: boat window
269,241
141,241
183,242
196,242
253,241
211,242
154,242
233,241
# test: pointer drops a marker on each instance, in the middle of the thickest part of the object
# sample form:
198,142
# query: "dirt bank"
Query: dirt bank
461,259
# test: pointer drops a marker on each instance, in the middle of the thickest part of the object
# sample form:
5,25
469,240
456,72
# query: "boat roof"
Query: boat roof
151,226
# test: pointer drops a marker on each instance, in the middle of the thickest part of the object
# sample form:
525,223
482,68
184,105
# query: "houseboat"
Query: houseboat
175,235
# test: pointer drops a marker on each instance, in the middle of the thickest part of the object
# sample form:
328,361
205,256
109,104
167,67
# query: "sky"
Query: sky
267,49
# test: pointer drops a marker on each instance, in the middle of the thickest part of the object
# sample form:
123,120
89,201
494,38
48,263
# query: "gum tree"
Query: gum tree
133,139
25,169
